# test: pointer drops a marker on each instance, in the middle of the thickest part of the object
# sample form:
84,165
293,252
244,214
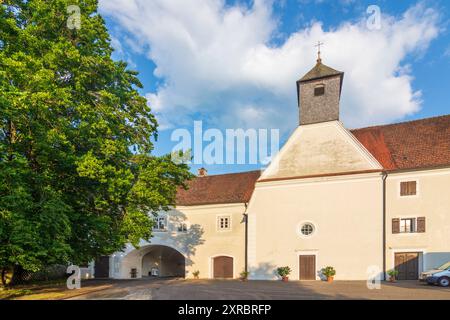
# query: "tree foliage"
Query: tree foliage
77,178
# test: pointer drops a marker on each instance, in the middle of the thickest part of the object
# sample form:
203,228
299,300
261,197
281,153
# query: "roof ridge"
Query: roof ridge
399,123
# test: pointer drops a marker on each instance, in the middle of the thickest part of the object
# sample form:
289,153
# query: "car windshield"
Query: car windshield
445,266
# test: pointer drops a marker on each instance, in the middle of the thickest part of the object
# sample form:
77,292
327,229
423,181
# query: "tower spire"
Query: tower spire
318,45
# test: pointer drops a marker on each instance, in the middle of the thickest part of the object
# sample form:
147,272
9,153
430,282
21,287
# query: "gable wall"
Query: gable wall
324,148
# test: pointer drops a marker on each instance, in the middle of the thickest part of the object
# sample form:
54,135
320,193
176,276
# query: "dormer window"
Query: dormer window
319,90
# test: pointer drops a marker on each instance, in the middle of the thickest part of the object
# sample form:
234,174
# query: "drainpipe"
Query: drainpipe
246,237
385,175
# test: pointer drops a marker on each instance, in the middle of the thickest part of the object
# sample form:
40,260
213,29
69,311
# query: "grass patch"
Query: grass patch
7,294
50,290
33,289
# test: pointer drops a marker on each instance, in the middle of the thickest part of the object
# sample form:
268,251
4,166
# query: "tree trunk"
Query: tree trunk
3,276
17,277
12,138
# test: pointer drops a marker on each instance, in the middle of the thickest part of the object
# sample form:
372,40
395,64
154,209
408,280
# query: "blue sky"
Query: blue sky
233,64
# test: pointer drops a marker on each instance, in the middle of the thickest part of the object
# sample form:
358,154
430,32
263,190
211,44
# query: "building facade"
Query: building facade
363,201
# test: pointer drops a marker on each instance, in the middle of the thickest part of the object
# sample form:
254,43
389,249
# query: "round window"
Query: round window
307,229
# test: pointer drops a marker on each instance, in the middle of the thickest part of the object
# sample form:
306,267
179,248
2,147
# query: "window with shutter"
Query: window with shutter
408,225
395,225
421,225
408,188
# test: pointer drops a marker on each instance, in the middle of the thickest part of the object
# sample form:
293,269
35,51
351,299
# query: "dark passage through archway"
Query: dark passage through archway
162,261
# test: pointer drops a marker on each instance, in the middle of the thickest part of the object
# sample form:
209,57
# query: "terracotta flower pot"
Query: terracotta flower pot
330,279
392,279
285,279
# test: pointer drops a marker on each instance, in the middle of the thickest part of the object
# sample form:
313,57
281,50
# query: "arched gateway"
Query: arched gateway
155,260
163,261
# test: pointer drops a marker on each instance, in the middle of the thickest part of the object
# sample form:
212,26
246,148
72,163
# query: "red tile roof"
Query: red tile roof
226,188
409,145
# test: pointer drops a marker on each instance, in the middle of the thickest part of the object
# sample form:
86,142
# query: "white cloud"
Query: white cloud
120,53
216,61
447,52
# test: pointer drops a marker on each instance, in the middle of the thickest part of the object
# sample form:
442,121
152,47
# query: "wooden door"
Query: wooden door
307,267
407,265
223,267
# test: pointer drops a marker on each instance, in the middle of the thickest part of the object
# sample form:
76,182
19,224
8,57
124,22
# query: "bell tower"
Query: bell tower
319,94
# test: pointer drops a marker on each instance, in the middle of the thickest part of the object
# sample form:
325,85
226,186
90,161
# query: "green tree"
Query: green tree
77,178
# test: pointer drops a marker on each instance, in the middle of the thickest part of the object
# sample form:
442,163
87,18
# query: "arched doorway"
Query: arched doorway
223,267
163,261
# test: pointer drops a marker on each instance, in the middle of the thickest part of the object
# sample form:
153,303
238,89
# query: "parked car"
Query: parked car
440,276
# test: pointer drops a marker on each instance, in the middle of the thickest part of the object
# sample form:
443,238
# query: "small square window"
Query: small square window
182,227
408,188
224,223
319,90
160,224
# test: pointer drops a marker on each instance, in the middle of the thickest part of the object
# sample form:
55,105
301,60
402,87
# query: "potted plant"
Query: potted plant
392,275
284,273
244,275
196,274
329,272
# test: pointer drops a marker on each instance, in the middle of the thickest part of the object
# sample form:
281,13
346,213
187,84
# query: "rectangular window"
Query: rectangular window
224,223
319,90
160,224
408,188
182,227
407,225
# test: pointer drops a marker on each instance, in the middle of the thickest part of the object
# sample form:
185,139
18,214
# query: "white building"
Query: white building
361,200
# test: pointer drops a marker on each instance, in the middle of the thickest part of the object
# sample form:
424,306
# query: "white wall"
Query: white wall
199,245
347,214
432,202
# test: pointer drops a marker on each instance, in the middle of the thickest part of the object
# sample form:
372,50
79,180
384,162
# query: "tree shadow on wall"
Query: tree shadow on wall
185,240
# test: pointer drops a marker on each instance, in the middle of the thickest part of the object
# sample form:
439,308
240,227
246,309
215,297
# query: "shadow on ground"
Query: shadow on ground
180,289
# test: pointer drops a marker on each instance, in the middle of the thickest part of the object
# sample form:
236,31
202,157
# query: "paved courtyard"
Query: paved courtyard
180,289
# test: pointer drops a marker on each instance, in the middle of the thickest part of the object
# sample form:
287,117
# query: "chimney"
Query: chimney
202,172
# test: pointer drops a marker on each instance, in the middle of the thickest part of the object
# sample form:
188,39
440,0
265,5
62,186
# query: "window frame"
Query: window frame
218,223
302,224
413,225
309,231
319,90
181,224
157,228
408,196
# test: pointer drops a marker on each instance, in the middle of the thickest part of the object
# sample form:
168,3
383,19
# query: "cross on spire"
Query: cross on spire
318,45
